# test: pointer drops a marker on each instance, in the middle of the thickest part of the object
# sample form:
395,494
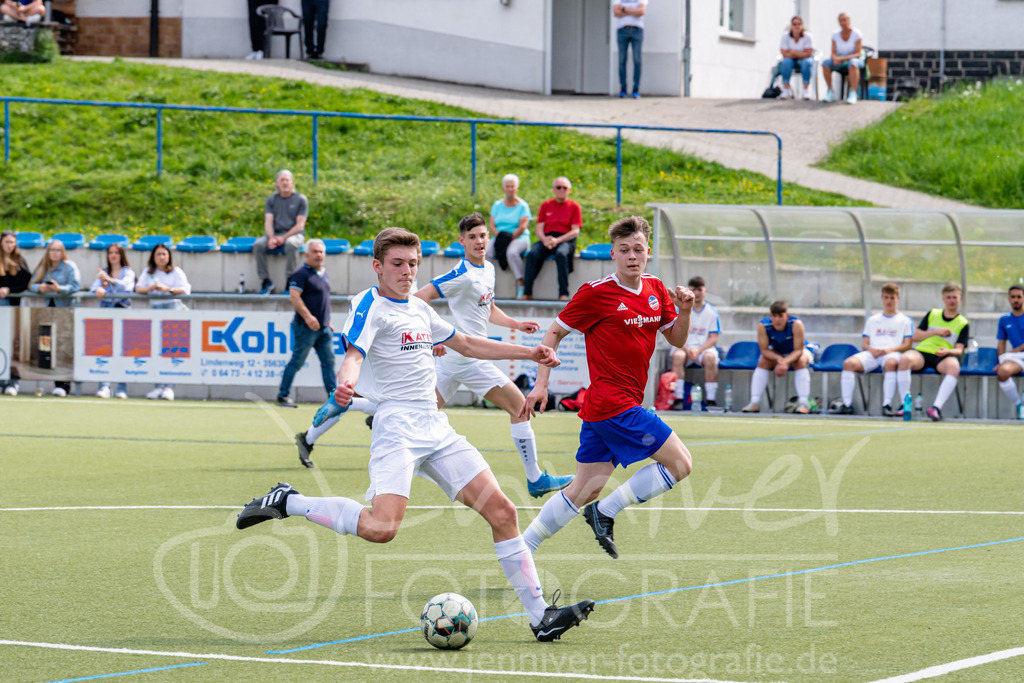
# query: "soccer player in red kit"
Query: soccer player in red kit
620,317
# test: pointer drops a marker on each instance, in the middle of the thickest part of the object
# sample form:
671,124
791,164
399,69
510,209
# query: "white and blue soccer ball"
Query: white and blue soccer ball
448,621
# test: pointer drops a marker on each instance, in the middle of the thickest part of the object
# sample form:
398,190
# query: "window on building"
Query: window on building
736,18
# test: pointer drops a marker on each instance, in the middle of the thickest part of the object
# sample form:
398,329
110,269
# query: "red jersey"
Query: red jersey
619,327
558,219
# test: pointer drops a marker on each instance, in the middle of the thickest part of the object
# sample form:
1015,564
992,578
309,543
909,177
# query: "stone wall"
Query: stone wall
922,66
126,36
15,38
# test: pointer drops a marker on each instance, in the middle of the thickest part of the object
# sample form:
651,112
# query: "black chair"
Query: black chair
277,26
862,87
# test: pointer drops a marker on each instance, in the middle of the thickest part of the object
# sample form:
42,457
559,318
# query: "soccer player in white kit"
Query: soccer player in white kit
886,335
390,337
469,289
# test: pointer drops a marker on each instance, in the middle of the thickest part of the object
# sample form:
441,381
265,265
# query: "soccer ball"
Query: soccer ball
448,621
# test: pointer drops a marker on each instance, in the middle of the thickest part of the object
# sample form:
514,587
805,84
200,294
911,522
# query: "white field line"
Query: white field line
943,669
362,665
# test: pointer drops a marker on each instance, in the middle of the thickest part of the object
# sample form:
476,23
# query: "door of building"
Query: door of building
581,46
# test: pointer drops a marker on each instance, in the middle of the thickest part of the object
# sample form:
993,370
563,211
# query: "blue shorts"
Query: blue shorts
627,438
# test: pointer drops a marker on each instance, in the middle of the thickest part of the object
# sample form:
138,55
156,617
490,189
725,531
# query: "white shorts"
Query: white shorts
479,376
1017,358
870,363
699,361
413,439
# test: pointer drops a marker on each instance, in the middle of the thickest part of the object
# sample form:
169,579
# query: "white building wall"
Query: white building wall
970,24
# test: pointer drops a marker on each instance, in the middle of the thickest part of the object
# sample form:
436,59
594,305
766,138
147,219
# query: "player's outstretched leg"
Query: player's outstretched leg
271,506
602,526
561,508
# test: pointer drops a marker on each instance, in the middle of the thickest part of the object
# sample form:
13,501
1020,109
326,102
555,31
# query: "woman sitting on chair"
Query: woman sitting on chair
847,44
797,50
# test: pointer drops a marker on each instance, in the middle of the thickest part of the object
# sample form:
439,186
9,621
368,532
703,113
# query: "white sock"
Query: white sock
889,386
526,444
646,483
802,382
554,514
314,433
680,385
517,562
945,389
757,384
712,389
363,405
338,514
903,382
847,380
1010,389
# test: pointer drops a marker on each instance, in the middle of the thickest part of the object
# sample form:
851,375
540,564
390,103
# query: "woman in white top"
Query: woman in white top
797,50
163,278
116,278
847,44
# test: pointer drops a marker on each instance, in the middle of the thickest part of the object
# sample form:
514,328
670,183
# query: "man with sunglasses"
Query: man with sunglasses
559,221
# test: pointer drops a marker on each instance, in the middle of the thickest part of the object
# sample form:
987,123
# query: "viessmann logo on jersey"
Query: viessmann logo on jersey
642,320
416,341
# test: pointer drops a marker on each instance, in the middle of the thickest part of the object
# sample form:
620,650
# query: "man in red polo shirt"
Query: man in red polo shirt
558,223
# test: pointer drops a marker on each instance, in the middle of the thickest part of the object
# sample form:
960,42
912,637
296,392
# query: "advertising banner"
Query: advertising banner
566,378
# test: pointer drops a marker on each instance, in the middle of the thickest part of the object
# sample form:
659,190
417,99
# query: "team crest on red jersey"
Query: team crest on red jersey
653,302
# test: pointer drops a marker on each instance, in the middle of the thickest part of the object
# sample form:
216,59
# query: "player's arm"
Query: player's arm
539,394
348,375
502,319
428,292
489,349
295,296
1000,347
865,343
798,343
902,346
710,343
762,341
958,346
682,299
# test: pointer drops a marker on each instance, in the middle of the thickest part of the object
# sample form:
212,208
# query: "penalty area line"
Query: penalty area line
359,665
959,665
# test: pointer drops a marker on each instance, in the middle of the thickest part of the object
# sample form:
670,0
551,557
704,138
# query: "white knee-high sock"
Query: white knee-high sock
712,390
757,384
945,389
516,561
847,380
363,405
802,382
888,386
338,514
1010,389
903,381
554,514
680,385
526,445
646,483
314,433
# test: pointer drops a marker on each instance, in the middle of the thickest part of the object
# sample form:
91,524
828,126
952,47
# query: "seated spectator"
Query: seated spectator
781,338
14,279
699,350
797,50
284,223
117,278
25,11
559,221
162,278
1011,360
847,45
942,336
510,230
886,336
58,276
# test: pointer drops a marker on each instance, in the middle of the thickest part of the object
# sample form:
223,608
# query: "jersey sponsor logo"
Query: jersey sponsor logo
653,302
486,299
415,341
882,332
642,320
622,307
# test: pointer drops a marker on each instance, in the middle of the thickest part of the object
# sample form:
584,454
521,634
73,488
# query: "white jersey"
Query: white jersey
469,290
396,338
884,332
702,324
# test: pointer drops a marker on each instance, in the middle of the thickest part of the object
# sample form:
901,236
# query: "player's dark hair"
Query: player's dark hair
471,221
627,227
393,237
1017,287
778,307
152,259
696,281
891,288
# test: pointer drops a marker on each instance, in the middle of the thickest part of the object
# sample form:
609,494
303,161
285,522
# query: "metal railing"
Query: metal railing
317,115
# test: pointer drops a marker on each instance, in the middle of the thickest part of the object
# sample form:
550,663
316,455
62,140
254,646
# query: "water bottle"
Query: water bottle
972,353
241,283
728,398
696,396
1020,411
908,407
918,405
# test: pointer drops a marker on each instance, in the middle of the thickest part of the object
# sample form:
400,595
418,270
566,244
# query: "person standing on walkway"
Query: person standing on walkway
314,14
629,25
257,28
284,223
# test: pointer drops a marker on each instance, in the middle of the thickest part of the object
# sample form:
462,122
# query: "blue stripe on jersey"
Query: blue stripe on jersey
362,310
447,277
446,338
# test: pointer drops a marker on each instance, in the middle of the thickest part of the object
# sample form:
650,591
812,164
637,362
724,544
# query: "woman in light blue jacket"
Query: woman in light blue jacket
57,276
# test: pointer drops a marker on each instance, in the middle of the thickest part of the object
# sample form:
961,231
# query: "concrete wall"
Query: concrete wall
970,24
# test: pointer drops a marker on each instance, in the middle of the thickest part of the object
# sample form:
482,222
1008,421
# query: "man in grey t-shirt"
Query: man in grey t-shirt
284,223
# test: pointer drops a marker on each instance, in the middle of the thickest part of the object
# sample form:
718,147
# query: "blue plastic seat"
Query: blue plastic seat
334,245
982,363
742,355
833,356
364,248
197,244
454,250
101,242
30,240
147,242
597,252
238,245
429,247
71,240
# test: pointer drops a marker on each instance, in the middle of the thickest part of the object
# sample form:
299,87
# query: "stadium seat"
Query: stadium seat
364,248
597,252
333,246
71,240
832,361
742,357
30,240
147,242
980,364
454,250
429,247
101,242
197,244
238,245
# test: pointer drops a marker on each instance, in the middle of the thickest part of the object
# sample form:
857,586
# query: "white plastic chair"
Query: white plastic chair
815,58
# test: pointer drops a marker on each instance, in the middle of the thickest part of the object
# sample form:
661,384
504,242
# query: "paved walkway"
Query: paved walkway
806,128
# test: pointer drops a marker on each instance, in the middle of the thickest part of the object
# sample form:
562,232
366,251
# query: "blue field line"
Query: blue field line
128,673
678,590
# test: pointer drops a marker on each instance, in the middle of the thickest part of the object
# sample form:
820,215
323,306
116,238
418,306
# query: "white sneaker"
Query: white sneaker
121,394
807,93
57,391
257,54
851,98
155,394
752,408
829,96
787,94
104,392
35,18
11,390
167,394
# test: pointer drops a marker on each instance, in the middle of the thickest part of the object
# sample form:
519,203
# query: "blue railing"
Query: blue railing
317,115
